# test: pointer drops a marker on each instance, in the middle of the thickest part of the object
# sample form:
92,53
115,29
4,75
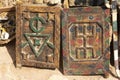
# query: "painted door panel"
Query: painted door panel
85,40
37,36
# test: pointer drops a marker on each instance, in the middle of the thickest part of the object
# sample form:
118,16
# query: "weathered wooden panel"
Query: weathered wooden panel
7,24
85,40
38,36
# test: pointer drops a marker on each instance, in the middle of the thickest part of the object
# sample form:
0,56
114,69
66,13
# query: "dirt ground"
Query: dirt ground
8,71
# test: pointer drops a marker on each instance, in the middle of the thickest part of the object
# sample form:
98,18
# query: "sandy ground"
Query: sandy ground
8,71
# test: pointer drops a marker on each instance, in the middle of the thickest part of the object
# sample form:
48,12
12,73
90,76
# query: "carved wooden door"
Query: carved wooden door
38,36
85,40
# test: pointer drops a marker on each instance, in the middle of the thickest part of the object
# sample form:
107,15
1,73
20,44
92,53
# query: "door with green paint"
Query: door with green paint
85,40
38,36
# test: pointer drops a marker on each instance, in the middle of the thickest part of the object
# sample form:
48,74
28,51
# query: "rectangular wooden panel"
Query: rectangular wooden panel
38,36
7,24
85,40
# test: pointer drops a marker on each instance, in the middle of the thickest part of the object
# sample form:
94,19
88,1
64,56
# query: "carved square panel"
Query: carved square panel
85,40
38,36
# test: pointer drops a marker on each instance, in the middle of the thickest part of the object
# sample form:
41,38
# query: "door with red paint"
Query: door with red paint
85,40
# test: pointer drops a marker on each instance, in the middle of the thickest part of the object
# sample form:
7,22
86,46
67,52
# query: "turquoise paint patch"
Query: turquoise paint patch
115,26
78,72
89,55
72,52
107,41
23,45
82,54
100,71
37,42
98,53
50,45
107,19
63,44
115,45
107,63
79,17
63,24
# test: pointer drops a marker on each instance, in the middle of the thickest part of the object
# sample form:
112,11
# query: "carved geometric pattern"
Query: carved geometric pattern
40,41
37,19
84,41
36,40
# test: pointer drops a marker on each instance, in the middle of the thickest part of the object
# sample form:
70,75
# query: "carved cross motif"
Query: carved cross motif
86,39
83,33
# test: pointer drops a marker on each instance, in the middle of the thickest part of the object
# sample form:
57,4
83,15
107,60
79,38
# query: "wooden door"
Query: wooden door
85,40
38,36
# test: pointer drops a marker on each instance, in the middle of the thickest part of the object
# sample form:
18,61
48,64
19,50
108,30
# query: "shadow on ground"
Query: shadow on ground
11,50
